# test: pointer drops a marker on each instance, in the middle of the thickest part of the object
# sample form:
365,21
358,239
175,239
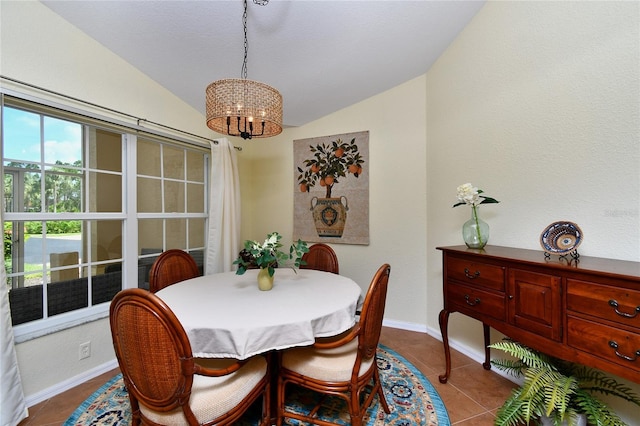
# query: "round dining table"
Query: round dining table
225,315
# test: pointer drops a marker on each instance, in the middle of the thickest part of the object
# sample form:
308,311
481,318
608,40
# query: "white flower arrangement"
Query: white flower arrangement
470,195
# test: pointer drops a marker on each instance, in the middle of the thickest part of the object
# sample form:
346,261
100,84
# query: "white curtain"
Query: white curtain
224,208
13,408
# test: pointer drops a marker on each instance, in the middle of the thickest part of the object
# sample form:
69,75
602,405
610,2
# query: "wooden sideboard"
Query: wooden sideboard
585,310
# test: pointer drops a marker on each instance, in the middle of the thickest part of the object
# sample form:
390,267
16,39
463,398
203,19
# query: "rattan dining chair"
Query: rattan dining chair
170,267
165,383
321,257
345,366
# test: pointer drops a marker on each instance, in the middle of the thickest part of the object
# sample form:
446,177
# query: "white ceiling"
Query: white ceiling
321,55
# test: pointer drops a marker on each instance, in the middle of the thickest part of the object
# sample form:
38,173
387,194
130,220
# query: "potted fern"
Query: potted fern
556,391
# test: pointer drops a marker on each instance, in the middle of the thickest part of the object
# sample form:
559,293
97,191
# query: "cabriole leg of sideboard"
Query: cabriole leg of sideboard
444,323
487,350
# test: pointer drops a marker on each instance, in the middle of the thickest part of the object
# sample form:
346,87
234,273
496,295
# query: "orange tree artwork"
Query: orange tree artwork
329,163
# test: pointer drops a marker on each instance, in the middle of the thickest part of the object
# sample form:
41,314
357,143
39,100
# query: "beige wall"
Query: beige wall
397,150
535,102
38,47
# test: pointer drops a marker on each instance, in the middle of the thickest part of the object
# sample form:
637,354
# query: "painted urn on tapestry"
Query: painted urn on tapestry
267,257
329,163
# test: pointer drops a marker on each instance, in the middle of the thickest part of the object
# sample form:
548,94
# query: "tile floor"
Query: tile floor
471,396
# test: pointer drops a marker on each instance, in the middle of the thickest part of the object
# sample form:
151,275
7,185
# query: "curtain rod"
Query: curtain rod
138,119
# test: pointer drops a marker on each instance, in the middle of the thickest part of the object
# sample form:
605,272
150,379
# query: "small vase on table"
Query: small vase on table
475,231
265,281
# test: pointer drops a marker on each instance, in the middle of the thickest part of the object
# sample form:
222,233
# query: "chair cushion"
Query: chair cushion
331,365
212,397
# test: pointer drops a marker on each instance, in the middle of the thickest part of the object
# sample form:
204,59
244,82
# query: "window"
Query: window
171,201
71,238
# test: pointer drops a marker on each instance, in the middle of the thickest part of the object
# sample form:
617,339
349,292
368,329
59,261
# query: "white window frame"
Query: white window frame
129,215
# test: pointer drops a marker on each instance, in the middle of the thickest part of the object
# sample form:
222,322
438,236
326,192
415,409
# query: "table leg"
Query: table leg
444,323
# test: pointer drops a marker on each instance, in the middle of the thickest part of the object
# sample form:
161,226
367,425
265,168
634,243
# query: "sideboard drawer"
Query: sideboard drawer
476,273
612,303
475,302
610,343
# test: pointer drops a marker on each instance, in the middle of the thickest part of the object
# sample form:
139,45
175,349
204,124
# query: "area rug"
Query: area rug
411,397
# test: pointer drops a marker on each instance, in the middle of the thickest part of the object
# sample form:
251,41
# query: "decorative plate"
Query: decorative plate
561,238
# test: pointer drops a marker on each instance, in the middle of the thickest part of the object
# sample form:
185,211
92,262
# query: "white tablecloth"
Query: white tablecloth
226,315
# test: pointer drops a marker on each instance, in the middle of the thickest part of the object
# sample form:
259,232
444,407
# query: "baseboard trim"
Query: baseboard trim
72,382
474,354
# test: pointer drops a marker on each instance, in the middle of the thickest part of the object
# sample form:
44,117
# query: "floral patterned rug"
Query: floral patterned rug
411,397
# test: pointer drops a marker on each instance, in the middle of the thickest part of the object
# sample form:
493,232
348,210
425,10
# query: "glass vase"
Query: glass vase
475,231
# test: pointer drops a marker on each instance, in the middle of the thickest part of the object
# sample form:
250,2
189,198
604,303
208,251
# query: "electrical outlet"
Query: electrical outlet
85,350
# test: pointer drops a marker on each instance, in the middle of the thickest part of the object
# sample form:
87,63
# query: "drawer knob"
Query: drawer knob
614,345
470,302
613,303
470,275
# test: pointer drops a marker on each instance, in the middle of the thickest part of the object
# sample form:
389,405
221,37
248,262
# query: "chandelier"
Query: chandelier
241,107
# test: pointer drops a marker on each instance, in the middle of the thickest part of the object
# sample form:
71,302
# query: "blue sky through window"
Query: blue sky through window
21,139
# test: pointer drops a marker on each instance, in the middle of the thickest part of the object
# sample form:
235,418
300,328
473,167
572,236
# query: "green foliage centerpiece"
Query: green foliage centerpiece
557,389
267,256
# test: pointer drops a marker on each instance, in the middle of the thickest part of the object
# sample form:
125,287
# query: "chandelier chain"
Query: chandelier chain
246,42
243,73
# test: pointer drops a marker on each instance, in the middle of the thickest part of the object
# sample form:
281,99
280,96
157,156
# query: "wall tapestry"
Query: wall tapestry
331,193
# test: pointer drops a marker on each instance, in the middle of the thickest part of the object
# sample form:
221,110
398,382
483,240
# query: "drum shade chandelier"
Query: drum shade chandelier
241,107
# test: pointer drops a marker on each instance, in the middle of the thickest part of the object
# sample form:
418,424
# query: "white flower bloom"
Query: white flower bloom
273,239
468,194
